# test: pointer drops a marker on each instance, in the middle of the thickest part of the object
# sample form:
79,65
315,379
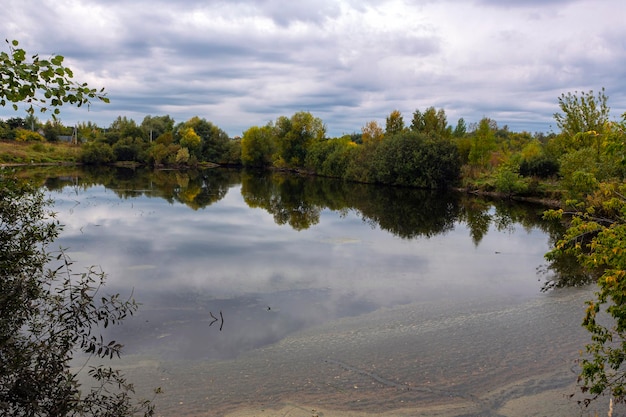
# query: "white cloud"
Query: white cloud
242,63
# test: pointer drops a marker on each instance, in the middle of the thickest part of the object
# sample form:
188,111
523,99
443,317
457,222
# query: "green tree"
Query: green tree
122,128
330,157
532,150
582,113
614,146
360,163
166,138
541,166
44,83
52,130
232,155
483,142
163,153
534,162
155,126
16,122
591,151
414,159
129,149
295,135
257,146
189,139
89,131
579,171
394,123
372,133
32,122
215,142
431,122
460,129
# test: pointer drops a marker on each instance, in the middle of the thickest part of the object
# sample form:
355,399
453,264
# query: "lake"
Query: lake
276,294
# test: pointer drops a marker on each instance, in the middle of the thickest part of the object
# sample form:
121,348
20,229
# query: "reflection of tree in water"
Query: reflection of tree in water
194,188
480,213
298,201
288,198
529,216
198,189
565,271
407,212
476,215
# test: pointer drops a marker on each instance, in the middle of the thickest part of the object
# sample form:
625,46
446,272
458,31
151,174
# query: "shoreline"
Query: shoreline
547,202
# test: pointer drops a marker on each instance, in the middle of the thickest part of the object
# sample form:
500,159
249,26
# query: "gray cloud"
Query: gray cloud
243,63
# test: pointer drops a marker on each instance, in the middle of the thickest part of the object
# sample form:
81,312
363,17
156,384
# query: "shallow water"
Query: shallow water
443,358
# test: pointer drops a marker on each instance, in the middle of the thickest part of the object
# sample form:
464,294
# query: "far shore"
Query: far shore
548,202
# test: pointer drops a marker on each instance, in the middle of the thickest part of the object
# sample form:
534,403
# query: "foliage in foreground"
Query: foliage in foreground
592,160
50,316
45,83
597,238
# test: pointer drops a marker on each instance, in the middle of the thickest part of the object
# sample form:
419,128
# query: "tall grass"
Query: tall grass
37,153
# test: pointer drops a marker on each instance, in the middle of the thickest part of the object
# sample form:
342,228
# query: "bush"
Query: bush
412,159
23,135
39,147
96,153
540,166
509,182
48,316
182,156
126,149
329,157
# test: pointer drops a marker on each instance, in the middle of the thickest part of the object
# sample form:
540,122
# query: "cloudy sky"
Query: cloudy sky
241,63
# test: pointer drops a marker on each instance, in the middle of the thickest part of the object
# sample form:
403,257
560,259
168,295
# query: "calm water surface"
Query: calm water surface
260,290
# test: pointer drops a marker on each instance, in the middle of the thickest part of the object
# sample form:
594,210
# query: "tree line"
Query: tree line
428,153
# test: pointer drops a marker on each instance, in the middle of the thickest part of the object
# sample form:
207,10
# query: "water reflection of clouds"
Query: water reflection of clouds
184,264
227,248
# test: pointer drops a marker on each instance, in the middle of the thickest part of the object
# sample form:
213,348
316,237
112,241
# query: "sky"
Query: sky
244,63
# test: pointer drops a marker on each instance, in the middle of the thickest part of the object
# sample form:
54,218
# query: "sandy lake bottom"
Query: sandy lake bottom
506,358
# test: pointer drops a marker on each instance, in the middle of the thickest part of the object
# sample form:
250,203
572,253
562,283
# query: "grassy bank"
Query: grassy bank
37,153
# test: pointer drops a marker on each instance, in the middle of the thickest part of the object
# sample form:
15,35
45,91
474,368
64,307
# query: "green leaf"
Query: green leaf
57,60
19,55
